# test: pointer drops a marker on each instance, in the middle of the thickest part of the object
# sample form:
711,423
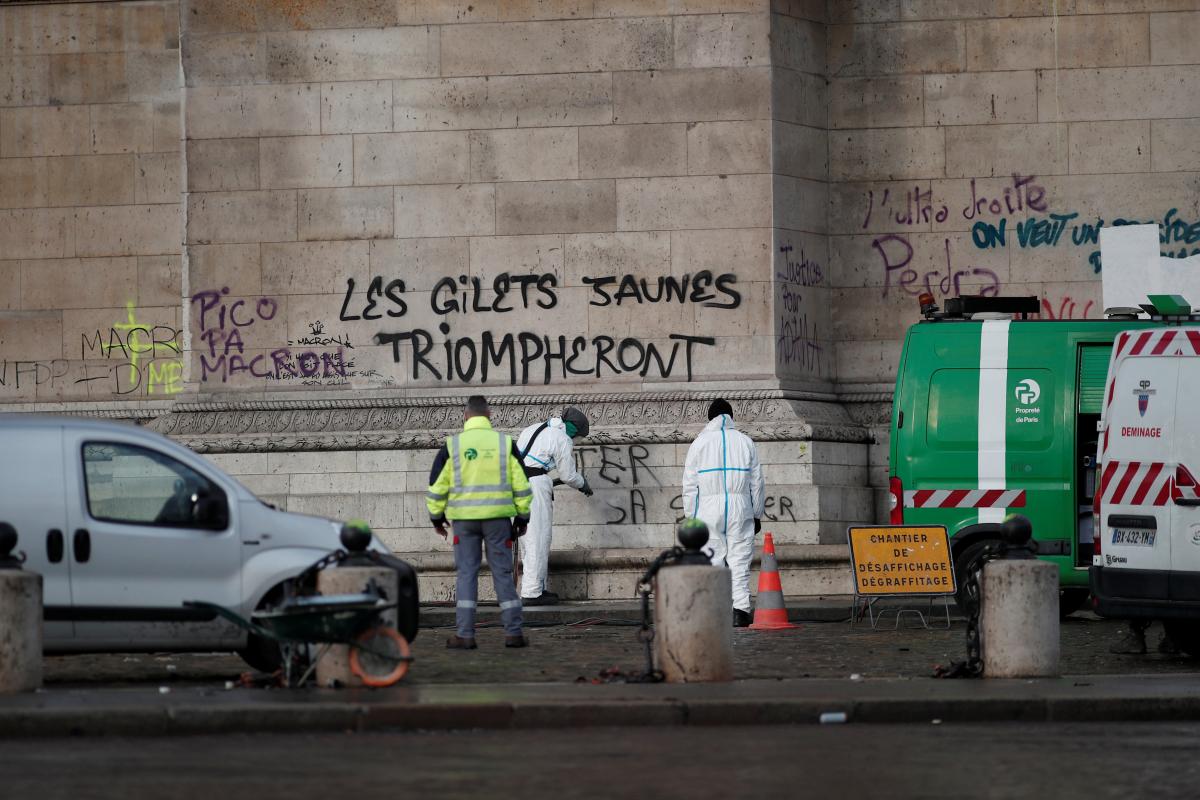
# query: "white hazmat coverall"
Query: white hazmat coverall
552,450
723,487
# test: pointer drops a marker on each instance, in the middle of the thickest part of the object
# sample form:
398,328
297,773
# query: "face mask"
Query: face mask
571,429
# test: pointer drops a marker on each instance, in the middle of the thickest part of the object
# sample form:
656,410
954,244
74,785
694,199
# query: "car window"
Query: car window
131,484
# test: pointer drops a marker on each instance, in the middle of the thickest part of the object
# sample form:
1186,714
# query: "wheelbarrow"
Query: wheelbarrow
379,655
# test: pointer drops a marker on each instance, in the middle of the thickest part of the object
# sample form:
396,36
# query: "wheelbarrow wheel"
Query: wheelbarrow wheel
380,656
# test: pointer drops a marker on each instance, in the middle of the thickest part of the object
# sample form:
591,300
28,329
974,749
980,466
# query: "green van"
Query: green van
996,415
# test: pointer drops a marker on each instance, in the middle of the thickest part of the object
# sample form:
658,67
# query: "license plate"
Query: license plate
1141,538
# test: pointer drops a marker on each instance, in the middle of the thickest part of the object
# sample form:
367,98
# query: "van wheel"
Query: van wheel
965,557
261,653
1185,634
1070,601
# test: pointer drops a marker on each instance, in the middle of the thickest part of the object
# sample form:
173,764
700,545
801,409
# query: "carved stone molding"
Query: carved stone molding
409,423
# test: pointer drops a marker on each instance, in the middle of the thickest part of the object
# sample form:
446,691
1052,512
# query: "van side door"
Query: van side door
148,532
32,499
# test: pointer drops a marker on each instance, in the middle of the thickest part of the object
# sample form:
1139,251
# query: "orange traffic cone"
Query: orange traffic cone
769,612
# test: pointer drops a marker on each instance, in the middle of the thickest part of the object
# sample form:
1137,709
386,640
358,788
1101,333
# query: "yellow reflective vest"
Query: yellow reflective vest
479,476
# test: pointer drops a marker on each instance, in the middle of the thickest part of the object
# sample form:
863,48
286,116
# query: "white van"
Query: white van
125,525
1146,536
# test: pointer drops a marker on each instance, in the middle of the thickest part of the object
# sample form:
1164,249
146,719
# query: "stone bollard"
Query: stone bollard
334,667
20,620
1018,625
693,633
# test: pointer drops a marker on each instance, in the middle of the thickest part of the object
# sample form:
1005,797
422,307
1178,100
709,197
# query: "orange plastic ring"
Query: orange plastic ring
380,680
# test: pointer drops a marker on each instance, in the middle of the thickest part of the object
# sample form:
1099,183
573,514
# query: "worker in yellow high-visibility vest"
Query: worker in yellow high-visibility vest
478,484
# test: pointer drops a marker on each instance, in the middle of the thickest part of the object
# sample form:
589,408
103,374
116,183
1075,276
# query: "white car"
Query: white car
1146,536
125,525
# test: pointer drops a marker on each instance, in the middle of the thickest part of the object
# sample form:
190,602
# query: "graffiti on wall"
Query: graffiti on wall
128,357
1019,216
797,344
525,356
622,475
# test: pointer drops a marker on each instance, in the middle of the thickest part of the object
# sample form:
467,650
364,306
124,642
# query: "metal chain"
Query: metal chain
646,632
973,666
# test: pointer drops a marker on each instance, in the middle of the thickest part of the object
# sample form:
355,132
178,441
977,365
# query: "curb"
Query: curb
249,711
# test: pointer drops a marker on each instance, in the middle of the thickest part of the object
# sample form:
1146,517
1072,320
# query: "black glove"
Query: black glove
757,525
586,489
519,526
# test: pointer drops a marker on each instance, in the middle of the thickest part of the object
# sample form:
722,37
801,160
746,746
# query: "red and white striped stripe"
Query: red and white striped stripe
1136,483
965,498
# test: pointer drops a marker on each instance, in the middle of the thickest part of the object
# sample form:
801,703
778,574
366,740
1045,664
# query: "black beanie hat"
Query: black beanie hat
720,406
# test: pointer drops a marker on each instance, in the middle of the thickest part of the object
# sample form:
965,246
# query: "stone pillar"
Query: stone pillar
1019,622
334,667
20,631
693,623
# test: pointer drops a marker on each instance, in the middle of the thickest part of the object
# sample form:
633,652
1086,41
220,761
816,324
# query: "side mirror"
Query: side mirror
209,511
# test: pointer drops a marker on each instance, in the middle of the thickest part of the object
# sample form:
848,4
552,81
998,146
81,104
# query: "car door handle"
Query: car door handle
1187,501
54,546
83,545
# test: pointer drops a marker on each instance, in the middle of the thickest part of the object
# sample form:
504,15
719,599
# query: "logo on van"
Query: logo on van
1143,393
1028,392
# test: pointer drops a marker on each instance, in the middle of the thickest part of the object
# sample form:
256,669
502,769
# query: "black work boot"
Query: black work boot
543,599
741,619
457,642
516,641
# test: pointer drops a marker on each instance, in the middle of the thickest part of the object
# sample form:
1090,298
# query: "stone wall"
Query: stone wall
630,205
90,222
979,147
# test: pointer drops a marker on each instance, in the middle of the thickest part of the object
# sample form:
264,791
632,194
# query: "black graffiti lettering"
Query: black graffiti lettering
691,340
500,286
637,502
628,290
607,463
525,281
496,356
440,288
628,356
561,356
604,346
578,345
546,284
598,285
529,355
785,507
626,346
345,316
467,346
637,457
700,285
725,286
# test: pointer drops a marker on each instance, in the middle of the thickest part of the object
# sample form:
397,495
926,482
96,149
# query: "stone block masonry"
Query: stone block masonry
632,206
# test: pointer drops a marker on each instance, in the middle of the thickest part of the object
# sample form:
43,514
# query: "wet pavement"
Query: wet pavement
565,653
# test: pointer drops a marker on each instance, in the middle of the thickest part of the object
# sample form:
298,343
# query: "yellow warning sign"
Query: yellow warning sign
901,559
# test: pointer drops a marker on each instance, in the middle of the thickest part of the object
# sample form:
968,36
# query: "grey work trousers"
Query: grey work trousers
469,535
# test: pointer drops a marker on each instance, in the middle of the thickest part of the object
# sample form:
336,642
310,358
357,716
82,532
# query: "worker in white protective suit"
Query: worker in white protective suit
545,447
723,486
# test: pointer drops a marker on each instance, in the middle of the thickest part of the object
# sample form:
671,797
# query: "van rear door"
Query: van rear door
1137,467
1184,581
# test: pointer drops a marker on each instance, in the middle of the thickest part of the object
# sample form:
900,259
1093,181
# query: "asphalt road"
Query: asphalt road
820,761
